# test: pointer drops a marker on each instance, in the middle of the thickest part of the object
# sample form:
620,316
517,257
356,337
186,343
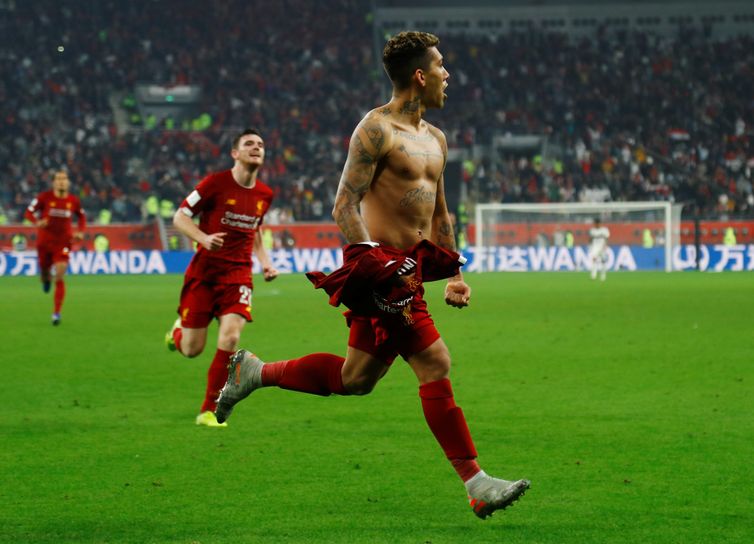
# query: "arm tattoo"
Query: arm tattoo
356,180
351,224
361,162
445,239
356,190
376,137
364,156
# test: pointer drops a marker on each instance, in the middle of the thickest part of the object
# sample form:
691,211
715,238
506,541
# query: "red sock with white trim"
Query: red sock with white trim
217,375
318,374
447,423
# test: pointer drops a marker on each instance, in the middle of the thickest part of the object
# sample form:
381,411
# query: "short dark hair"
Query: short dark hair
246,132
404,53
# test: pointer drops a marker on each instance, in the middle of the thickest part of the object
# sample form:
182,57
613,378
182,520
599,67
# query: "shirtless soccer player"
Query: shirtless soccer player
391,206
231,205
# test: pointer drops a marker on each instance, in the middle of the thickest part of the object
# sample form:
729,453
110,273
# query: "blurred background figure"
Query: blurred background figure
598,236
52,212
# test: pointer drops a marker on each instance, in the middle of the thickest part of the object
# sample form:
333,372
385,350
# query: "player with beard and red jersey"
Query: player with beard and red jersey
52,212
218,283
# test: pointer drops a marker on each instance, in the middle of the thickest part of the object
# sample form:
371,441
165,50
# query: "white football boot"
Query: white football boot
244,376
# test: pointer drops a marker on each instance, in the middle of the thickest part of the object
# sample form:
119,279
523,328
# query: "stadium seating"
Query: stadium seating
633,116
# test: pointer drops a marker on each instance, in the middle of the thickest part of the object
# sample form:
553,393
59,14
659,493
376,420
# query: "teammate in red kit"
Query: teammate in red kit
218,283
391,207
53,211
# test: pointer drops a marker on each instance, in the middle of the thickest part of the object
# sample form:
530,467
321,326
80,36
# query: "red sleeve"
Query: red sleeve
268,201
81,215
199,199
34,207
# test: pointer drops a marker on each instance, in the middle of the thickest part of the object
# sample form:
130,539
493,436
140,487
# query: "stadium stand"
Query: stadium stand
625,115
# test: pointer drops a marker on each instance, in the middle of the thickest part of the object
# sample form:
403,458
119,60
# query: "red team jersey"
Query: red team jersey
59,212
226,206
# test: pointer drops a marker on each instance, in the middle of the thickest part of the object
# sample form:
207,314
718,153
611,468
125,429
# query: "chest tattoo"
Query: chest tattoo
422,153
413,137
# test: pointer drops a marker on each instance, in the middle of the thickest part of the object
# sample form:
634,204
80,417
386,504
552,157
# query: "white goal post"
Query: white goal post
491,218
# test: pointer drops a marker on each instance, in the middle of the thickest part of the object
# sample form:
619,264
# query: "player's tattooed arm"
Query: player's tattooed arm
457,291
442,227
367,147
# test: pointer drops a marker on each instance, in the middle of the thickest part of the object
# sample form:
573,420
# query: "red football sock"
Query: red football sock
318,373
177,337
59,295
447,423
466,468
217,375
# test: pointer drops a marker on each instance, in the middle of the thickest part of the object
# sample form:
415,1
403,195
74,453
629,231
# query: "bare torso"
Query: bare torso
392,188
400,203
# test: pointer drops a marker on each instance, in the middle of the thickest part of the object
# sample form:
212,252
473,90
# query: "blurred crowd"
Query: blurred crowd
628,116
622,117
301,72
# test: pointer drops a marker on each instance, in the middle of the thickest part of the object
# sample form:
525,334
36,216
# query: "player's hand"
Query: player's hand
215,241
457,294
78,235
42,223
270,273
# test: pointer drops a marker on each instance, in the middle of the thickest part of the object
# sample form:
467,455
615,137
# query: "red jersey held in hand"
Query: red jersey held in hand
226,206
59,212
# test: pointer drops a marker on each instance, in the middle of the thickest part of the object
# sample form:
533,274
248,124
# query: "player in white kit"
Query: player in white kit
598,236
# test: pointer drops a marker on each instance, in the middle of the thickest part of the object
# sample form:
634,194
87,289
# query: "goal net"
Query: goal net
522,237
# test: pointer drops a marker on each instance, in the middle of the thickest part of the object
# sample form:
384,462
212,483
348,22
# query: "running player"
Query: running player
391,207
52,212
218,283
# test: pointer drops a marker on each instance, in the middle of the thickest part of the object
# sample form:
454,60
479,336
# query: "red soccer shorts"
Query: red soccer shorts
388,337
49,254
202,301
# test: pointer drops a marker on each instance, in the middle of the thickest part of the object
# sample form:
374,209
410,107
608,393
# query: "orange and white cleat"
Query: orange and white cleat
488,494
244,376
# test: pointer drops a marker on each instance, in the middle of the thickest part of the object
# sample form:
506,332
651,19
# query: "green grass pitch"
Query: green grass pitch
629,405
